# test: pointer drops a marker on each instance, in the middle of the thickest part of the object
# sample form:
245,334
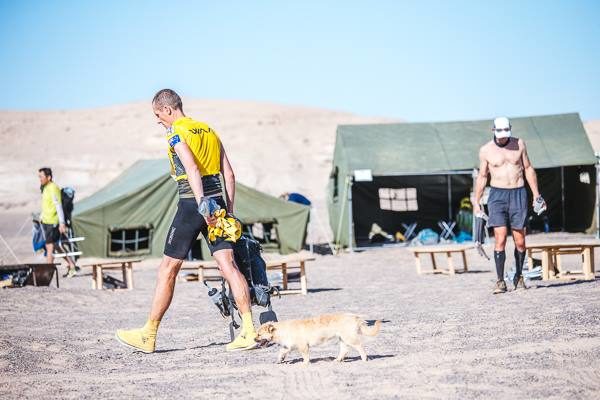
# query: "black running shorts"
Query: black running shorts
507,207
185,228
51,233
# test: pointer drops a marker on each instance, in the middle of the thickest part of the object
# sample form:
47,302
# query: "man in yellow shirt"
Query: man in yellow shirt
197,160
52,216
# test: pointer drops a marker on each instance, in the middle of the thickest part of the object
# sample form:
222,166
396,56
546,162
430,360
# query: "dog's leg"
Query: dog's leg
343,351
354,341
361,350
283,352
305,357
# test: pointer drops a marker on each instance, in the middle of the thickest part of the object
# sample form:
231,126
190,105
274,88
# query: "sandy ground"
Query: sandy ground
442,337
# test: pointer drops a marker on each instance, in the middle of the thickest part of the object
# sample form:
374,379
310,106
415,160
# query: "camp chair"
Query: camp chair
409,230
447,230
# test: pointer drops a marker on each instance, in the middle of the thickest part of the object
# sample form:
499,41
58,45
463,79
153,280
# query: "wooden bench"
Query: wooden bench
552,267
443,249
126,266
208,270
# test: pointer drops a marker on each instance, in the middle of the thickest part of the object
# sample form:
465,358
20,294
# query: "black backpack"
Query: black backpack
246,252
67,196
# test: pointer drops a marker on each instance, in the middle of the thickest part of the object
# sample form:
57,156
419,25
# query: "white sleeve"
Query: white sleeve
59,210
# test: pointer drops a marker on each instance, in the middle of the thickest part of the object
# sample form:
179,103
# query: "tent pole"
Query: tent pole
597,196
449,198
311,231
562,196
350,222
341,220
474,175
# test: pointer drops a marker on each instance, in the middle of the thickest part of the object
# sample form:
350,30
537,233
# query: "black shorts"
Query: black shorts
51,233
507,207
185,228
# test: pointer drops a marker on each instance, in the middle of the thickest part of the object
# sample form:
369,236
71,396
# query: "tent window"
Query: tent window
130,241
404,199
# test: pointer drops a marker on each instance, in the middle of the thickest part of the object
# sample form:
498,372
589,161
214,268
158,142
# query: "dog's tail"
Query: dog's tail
370,330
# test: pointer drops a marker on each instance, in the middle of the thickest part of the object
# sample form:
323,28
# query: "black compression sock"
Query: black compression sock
500,258
519,260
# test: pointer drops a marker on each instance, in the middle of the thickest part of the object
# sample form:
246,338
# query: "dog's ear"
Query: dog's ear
271,328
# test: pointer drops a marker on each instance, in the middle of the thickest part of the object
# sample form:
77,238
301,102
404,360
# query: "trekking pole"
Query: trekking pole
9,249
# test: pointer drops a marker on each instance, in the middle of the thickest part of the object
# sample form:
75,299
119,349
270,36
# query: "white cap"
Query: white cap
504,124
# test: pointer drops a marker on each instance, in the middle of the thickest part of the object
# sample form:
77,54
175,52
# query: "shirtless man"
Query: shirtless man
505,159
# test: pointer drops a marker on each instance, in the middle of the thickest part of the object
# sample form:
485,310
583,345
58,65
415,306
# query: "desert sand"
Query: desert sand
442,337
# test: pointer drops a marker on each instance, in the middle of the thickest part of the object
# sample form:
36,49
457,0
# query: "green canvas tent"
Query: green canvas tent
134,212
391,174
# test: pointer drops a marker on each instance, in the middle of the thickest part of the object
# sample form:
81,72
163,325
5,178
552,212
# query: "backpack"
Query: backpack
246,252
427,237
67,197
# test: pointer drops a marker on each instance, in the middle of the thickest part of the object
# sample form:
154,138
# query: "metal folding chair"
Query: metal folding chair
409,230
447,230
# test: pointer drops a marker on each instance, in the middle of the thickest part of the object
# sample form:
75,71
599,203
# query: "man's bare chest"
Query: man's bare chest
501,157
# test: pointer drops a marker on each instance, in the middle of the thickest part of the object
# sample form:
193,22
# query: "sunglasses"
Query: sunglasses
501,129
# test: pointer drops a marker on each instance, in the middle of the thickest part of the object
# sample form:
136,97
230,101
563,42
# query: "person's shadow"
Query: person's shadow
191,348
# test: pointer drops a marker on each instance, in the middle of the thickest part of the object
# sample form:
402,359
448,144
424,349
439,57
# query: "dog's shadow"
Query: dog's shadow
371,322
332,359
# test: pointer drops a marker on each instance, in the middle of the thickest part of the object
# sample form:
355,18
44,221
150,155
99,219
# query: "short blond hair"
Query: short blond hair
167,97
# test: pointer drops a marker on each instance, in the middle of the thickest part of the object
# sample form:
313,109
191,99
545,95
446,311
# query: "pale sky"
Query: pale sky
417,60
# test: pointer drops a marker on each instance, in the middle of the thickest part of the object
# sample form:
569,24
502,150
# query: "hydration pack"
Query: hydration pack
67,197
246,252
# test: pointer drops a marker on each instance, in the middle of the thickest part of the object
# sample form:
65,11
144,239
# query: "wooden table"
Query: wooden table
441,249
40,274
126,266
284,264
552,267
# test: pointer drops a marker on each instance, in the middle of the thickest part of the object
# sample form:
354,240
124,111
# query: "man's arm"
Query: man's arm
229,178
191,169
481,180
62,227
529,172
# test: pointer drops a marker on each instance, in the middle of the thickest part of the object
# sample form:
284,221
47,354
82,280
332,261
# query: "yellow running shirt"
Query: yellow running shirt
205,146
49,214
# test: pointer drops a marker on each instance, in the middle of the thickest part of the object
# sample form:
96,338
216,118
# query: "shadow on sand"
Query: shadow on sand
541,285
191,348
332,359
317,290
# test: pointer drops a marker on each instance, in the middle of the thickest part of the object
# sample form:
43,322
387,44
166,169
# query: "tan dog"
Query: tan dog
301,334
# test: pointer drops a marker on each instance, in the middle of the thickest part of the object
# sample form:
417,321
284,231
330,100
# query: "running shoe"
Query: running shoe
500,287
244,341
519,283
70,273
137,339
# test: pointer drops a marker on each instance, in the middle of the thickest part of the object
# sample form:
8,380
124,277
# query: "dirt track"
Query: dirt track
443,337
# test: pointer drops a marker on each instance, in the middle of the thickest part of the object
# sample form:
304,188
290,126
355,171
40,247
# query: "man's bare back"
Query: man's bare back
505,164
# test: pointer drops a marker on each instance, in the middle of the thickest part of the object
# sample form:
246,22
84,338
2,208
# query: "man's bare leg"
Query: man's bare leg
241,294
519,238
144,338
66,249
500,233
50,253
165,286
